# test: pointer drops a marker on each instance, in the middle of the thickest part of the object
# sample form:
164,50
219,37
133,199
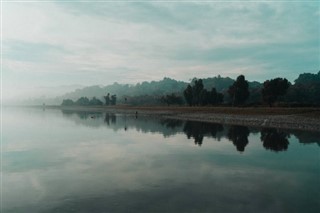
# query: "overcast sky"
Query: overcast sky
56,43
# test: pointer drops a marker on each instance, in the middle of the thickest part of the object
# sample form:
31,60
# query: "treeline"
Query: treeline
305,91
84,101
196,95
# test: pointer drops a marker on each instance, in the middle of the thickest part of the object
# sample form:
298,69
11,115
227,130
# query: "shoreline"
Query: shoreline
307,119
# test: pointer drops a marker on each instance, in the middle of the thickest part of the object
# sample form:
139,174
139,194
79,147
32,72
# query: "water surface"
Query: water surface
63,161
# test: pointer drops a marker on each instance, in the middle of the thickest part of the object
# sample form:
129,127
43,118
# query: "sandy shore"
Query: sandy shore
287,118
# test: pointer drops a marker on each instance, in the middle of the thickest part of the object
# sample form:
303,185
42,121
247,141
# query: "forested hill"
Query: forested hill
153,88
305,89
161,87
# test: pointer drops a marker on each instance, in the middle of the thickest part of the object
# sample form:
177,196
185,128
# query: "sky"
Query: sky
49,47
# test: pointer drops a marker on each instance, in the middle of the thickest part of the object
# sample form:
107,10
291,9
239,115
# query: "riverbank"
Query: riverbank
287,118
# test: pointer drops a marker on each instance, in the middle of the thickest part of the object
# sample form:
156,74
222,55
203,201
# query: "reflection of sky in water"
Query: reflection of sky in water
58,162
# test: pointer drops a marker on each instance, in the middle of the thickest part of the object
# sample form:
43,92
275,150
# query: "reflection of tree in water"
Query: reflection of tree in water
239,136
198,130
171,123
274,139
110,117
307,137
82,115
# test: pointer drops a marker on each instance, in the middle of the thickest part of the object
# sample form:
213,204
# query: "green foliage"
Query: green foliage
83,101
308,78
188,95
306,90
171,99
202,92
95,102
239,91
196,95
274,88
67,102
107,99
218,82
113,100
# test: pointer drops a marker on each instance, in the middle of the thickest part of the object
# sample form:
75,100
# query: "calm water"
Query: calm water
55,161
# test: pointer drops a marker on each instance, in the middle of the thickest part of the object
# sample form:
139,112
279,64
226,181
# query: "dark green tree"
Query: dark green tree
67,102
204,97
213,95
95,102
305,91
83,101
196,90
171,99
113,100
239,91
274,88
107,99
187,93
219,98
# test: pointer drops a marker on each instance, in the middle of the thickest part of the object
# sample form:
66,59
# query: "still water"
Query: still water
62,161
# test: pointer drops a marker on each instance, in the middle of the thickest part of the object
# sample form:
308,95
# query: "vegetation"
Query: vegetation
305,91
172,99
274,88
196,95
83,101
205,92
239,91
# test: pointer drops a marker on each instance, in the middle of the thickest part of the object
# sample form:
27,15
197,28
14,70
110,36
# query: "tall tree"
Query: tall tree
188,95
113,100
274,88
107,99
239,91
196,90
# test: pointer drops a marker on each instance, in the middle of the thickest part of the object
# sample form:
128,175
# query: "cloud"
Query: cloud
129,42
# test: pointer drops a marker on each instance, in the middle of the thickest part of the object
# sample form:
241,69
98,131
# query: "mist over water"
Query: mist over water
64,161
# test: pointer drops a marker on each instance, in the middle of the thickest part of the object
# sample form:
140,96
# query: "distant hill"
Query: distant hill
153,88
162,87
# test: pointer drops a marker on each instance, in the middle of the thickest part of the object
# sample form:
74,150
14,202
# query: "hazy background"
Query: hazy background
55,47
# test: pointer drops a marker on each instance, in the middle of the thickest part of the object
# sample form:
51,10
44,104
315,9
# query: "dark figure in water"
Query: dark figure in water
136,114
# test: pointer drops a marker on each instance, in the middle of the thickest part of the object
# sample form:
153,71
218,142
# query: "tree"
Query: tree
171,99
107,99
197,95
113,100
305,91
83,101
274,88
96,102
187,93
196,90
212,96
239,90
67,102
204,97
